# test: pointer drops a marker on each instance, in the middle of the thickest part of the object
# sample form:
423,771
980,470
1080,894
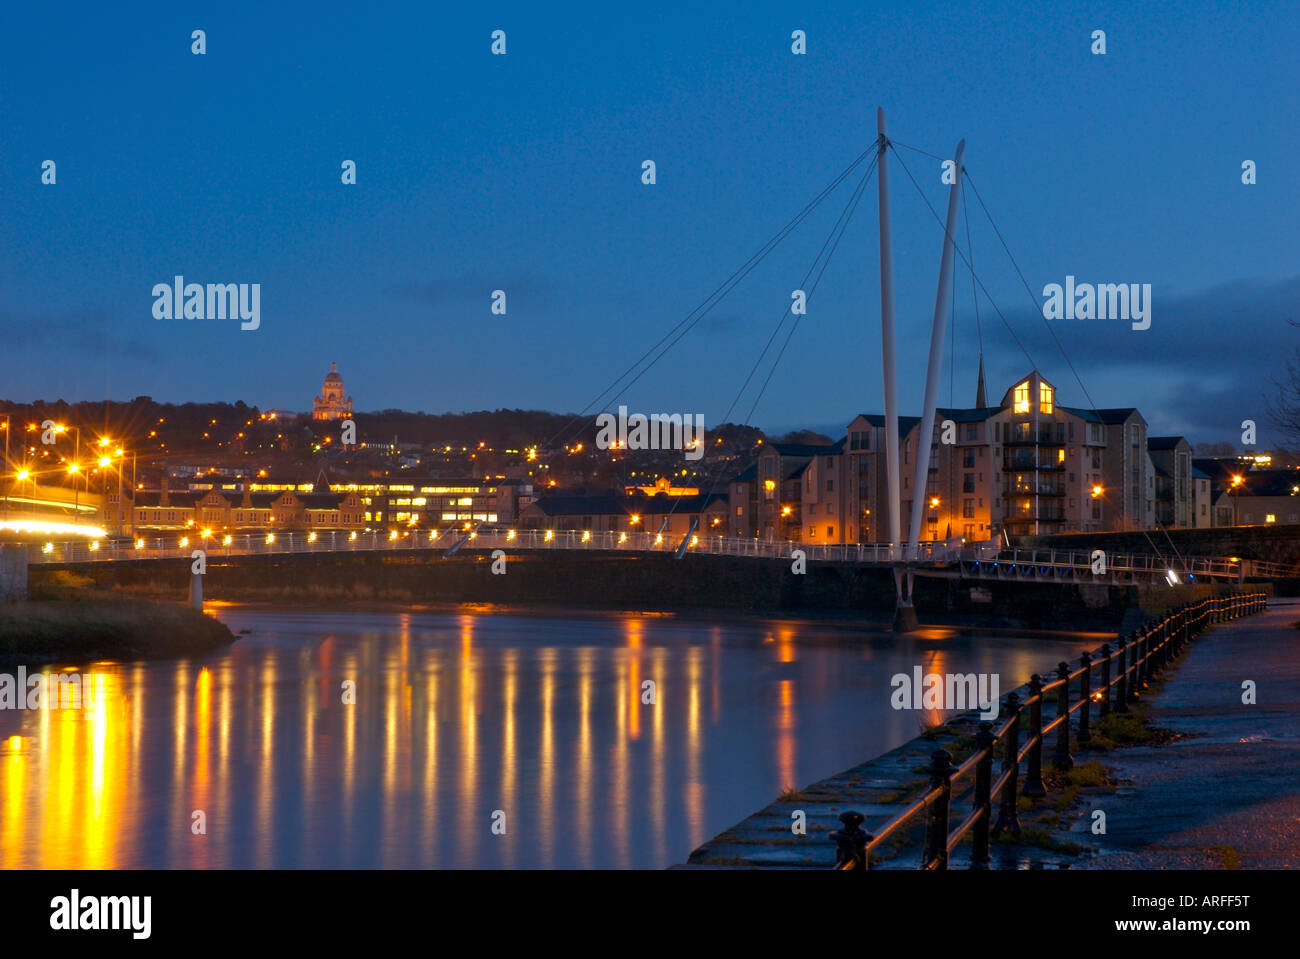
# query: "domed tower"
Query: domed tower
333,403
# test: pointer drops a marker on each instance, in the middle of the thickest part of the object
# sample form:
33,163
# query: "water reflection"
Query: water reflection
392,739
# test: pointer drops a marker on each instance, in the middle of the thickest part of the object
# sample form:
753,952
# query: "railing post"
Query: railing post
1166,632
1134,651
1008,816
936,835
1034,774
851,842
1062,756
1121,675
979,857
1104,708
1085,692
1140,660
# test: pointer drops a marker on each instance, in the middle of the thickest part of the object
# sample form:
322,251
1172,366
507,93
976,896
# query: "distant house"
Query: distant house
231,512
1265,498
601,513
673,515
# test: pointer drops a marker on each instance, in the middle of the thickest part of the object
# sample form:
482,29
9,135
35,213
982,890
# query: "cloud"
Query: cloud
90,331
1203,366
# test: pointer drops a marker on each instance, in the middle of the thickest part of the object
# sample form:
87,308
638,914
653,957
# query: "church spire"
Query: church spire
980,401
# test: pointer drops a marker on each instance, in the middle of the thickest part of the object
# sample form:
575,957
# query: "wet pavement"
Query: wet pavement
1226,792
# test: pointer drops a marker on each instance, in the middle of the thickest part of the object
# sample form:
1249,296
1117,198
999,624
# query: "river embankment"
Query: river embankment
648,583
66,619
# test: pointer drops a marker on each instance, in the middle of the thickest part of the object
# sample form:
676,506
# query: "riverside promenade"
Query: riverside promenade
1222,766
1224,790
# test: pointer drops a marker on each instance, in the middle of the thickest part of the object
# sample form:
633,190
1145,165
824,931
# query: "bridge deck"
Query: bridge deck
934,559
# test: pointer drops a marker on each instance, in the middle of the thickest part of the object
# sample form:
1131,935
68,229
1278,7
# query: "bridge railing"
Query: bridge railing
180,546
1144,563
1121,672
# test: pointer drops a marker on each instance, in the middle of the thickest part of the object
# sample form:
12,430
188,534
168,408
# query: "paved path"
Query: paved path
1228,792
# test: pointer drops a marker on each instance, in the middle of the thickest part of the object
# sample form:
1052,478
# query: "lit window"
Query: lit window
1270,518
1044,398
1022,398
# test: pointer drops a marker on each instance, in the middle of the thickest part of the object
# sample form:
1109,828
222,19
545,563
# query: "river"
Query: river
474,739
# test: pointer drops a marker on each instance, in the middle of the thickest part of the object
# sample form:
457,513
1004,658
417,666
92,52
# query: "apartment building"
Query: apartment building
1175,493
1024,466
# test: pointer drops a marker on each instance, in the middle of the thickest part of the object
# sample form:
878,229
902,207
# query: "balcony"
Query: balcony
1045,515
1021,464
1016,490
1044,438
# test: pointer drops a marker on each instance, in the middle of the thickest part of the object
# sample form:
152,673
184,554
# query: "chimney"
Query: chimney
164,499
247,501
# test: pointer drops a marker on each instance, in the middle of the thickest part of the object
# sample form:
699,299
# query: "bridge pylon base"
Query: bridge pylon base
905,620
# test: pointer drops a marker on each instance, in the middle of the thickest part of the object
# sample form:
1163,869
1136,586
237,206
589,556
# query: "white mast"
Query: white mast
895,505
933,372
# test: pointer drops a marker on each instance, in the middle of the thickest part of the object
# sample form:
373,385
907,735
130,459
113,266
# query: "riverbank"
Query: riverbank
64,620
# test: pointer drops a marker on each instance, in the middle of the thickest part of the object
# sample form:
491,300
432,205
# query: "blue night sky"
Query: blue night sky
523,172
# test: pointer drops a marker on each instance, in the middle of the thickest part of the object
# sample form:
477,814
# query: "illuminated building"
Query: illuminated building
332,404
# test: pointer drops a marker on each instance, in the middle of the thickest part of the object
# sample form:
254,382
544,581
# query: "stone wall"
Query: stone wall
13,573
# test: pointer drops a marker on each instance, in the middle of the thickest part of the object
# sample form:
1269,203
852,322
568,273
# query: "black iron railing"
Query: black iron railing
1136,659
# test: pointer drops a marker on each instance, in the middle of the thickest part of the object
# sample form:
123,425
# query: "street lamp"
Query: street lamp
73,468
1237,481
5,468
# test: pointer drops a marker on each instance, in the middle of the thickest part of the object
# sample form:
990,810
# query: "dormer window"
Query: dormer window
1021,398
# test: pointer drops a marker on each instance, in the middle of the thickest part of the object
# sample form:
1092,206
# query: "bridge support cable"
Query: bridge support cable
713,299
1038,307
975,275
819,265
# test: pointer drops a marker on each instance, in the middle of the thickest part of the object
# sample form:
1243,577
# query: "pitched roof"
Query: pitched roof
579,505
808,449
661,503
965,416
905,423
1116,415
1089,416
321,500
177,500
1165,442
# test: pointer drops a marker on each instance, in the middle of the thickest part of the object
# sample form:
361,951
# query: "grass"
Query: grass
1119,729
1042,839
